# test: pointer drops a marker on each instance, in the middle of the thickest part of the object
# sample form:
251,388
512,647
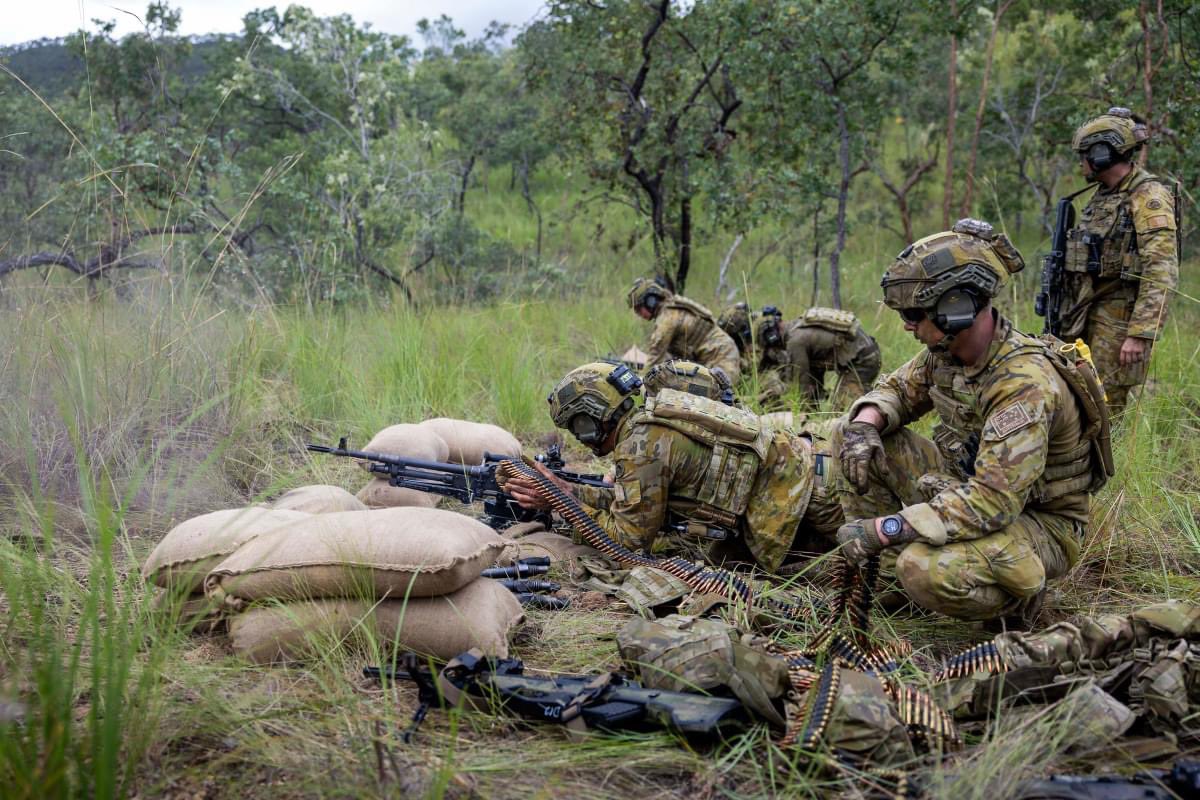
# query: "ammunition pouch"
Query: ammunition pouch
955,450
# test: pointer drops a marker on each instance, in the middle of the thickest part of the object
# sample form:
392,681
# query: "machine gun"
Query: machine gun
467,484
478,484
608,702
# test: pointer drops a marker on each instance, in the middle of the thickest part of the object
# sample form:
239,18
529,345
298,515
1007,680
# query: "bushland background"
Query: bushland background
212,249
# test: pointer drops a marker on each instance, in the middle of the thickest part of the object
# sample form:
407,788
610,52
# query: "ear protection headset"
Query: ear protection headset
956,310
650,302
1101,155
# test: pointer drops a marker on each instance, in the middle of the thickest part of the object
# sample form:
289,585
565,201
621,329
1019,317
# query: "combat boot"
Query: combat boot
1023,617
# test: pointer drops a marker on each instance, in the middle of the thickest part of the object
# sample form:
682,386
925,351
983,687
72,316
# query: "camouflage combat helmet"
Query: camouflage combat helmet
688,376
1116,128
735,321
648,293
769,332
590,400
950,276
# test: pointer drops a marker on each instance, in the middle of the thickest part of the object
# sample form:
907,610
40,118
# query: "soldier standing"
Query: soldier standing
1122,258
682,329
685,461
997,503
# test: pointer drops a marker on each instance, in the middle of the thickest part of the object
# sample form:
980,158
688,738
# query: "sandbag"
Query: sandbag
366,555
319,499
192,548
468,441
481,614
378,493
409,441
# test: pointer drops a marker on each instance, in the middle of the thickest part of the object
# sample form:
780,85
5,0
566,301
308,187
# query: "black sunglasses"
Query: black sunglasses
912,315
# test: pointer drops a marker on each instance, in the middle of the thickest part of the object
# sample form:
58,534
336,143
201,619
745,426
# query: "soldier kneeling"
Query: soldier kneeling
997,503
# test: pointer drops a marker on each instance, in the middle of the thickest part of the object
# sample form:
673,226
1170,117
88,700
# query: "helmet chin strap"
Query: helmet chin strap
943,345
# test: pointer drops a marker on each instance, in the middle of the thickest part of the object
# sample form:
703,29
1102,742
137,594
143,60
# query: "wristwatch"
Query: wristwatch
891,526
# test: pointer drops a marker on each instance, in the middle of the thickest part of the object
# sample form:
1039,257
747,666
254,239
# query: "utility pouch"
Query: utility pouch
1084,251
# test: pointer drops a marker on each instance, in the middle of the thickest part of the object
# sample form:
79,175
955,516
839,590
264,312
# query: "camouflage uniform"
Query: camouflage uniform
826,339
684,458
1138,269
685,329
991,539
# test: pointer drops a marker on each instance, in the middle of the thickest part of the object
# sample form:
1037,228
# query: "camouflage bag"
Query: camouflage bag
646,588
679,653
1148,660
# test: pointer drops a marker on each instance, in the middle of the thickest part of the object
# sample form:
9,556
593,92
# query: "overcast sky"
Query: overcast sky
24,20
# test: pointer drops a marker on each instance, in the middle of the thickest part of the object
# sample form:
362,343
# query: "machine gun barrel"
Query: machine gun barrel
467,484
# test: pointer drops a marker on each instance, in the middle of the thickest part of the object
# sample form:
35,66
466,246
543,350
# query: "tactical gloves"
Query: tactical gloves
858,540
861,448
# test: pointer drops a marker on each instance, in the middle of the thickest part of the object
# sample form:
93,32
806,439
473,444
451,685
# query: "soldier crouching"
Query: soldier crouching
685,463
997,503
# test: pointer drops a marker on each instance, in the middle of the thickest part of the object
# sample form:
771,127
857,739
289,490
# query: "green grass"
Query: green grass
126,413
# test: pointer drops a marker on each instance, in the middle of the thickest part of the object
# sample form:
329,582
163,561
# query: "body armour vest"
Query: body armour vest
692,307
759,478
1104,242
831,319
1083,464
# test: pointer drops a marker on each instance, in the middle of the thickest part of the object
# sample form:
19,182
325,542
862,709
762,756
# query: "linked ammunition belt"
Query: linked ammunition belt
819,663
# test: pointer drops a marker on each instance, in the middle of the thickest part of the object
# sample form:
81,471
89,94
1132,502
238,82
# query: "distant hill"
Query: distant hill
50,68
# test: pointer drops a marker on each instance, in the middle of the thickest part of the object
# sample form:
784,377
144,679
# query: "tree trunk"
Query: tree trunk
1148,70
816,259
723,272
835,277
533,207
969,191
951,114
685,243
461,204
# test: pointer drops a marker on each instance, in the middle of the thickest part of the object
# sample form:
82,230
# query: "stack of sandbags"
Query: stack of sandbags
467,442
319,499
407,441
183,558
401,577
180,562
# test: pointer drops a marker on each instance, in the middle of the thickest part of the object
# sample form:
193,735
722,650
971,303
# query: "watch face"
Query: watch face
891,526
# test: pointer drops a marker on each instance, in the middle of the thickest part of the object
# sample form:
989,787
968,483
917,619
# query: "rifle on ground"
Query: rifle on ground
467,484
607,702
1182,780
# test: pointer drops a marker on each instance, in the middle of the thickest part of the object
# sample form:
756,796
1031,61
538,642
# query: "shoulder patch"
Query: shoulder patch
1155,203
1008,420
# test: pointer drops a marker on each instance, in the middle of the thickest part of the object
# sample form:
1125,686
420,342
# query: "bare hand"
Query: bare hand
526,490
1133,350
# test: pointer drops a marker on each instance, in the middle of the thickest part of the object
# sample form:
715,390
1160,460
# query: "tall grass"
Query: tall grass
123,414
